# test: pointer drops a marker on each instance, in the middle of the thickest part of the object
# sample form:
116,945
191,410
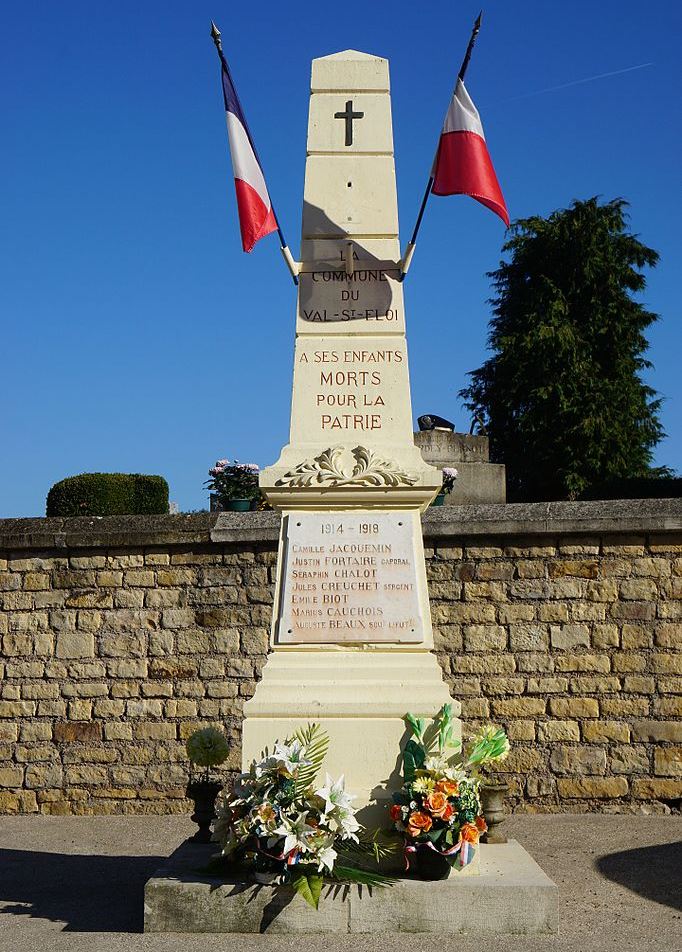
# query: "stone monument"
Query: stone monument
479,482
351,643
351,631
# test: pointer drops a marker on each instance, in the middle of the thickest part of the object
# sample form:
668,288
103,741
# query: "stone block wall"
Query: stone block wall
121,636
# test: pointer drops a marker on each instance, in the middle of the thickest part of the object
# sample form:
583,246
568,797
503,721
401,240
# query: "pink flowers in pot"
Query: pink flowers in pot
450,474
233,480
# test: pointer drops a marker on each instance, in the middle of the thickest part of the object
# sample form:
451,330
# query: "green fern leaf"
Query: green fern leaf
315,742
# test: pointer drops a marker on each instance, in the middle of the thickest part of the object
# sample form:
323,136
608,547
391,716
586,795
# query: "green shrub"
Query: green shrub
108,494
636,487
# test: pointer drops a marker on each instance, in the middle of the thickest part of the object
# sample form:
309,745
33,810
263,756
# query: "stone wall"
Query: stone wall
563,622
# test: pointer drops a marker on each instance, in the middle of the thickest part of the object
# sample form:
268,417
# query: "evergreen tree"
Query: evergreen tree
561,397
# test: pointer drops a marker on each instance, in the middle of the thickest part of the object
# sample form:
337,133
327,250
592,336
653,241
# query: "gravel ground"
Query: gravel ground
74,884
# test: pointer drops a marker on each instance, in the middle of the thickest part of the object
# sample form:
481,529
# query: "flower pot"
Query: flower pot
203,793
238,505
439,500
429,864
492,803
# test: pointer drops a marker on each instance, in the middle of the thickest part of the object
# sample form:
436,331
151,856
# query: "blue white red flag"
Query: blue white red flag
463,165
256,217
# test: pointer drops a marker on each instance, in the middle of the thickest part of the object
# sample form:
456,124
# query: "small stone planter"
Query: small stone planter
492,802
203,793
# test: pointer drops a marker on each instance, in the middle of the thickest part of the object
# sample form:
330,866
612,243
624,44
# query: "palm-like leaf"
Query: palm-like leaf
359,877
377,845
315,742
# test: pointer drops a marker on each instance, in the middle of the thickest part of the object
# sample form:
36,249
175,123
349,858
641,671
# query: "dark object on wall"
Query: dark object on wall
637,487
108,494
429,421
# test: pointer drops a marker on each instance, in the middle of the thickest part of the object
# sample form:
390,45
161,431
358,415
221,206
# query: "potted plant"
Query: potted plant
438,809
283,829
492,793
449,476
205,748
235,484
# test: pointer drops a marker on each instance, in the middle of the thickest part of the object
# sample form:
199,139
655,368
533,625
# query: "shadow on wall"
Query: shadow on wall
368,275
87,893
654,872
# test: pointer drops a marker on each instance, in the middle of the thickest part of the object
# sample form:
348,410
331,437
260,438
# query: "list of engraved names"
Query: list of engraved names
349,577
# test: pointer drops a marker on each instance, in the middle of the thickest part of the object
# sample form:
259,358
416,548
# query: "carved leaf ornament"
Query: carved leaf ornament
328,469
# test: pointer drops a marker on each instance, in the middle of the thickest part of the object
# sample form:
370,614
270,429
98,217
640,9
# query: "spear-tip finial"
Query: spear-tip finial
215,35
477,24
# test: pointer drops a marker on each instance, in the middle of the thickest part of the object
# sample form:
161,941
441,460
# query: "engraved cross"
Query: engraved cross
349,115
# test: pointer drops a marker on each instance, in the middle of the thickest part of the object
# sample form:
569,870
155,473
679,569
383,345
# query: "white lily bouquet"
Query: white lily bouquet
278,823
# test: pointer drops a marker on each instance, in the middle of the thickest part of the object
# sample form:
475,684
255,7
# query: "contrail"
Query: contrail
579,82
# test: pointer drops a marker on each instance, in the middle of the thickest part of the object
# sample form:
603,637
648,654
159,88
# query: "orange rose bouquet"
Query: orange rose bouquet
438,810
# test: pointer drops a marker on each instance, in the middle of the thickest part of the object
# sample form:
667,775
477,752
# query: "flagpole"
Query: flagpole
284,248
409,251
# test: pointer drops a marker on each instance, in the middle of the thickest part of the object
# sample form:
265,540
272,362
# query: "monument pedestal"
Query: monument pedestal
359,695
511,895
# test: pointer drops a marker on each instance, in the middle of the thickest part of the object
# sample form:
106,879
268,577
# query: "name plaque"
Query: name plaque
349,577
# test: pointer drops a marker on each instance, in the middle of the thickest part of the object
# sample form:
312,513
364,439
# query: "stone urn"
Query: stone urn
203,793
492,803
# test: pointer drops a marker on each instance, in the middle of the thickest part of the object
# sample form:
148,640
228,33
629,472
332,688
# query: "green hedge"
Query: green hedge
637,487
108,494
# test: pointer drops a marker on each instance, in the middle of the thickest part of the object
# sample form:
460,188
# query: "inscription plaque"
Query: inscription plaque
349,577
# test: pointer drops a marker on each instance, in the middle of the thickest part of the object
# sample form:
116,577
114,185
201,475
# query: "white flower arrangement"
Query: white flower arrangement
277,821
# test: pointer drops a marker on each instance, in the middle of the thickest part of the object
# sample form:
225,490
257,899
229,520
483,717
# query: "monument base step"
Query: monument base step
512,895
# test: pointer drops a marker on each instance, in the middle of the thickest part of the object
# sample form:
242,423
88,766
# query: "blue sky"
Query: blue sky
137,336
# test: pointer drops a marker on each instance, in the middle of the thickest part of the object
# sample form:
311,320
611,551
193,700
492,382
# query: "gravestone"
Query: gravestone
351,643
479,482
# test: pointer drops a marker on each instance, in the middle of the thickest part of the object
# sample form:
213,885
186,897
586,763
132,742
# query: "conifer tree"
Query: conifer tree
562,396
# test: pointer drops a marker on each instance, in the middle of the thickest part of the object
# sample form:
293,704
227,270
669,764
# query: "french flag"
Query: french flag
256,216
462,165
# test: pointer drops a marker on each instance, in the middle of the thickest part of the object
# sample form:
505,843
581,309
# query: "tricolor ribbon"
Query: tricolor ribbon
292,857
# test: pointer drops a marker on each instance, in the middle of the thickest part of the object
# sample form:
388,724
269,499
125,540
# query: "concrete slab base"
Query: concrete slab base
512,895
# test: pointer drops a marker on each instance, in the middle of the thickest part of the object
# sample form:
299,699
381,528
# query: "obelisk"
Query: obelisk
351,644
